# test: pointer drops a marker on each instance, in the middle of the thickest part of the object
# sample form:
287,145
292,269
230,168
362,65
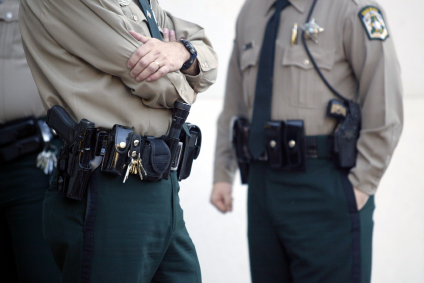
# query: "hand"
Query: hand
169,36
221,197
361,198
154,59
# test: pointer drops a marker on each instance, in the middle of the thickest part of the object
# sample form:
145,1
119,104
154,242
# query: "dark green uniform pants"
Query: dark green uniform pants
24,254
132,232
304,227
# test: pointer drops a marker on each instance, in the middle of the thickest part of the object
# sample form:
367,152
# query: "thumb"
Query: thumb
139,36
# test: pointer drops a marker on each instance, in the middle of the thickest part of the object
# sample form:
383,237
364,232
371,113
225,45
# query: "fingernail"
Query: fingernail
129,66
138,79
149,79
132,76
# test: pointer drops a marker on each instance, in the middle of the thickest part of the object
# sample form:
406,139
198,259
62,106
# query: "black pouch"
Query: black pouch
277,152
156,158
285,142
240,128
116,154
296,145
192,142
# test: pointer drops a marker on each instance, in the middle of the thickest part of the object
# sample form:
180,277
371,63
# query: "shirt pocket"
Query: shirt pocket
249,67
303,86
10,37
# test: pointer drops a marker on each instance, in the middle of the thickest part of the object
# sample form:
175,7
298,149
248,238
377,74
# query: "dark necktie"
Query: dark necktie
153,26
264,83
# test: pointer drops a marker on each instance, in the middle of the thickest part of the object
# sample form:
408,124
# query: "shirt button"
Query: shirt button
135,18
306,62
9,15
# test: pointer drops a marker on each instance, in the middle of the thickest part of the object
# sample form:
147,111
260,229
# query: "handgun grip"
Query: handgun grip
60,121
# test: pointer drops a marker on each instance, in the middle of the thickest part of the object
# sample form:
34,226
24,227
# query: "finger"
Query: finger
142,64
150,69
228,200
139,36
172,36
161,72
219,204
165,35
138,55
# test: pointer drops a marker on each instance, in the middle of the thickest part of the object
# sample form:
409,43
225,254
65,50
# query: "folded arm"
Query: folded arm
97,32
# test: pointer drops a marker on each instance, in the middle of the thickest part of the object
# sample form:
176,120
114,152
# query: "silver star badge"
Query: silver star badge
312,30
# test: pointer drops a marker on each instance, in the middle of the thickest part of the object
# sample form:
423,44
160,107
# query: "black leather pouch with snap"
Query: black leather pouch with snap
156,157
286,147
116,154
274,133
296,146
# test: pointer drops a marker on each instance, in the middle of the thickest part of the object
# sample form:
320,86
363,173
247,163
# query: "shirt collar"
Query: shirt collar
300,5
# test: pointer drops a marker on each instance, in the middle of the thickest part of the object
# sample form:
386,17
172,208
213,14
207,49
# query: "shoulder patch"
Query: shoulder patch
373,22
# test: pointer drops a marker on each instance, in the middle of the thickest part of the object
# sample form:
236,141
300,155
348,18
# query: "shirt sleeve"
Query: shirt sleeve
206,56
96,31
225,159
375,65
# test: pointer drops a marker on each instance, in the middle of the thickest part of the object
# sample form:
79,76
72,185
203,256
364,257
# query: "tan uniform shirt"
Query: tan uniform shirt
360,69
78,52
18,94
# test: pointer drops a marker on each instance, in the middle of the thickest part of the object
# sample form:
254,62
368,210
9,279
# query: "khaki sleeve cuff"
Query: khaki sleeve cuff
368,187
208,66
222,175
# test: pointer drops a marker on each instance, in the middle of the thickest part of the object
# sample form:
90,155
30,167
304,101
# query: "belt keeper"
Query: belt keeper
311,147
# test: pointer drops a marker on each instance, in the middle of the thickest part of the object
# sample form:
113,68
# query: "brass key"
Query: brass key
141,169
129,168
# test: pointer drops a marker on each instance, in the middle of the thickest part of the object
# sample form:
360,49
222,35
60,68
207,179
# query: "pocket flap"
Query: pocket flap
297,56
9,11
249,57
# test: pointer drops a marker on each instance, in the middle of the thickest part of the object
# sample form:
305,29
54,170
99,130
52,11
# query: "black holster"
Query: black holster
346,133
285,142
240,128
191,139
74,169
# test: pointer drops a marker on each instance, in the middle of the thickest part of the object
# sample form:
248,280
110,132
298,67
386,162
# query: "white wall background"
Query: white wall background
221,240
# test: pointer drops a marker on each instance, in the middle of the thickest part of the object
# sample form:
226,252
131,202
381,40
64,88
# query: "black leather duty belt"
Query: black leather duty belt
22,136
318,146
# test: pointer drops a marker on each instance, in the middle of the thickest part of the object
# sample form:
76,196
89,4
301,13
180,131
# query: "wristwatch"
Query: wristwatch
193,54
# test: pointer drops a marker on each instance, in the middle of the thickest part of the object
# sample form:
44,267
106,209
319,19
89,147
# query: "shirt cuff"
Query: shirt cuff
370,188
207,69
